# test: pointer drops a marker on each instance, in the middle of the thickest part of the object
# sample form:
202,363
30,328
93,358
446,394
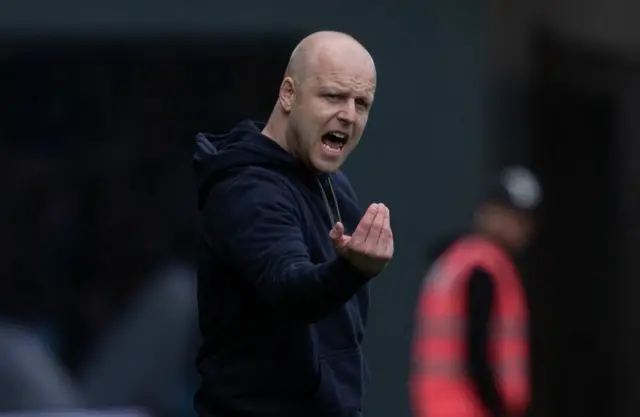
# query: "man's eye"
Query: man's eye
362,104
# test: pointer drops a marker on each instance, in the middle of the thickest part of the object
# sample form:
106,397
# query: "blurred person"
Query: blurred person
30,374
471,347
39,225
282,287
134,293
140,291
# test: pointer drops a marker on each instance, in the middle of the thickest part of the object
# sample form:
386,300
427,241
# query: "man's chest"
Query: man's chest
319,213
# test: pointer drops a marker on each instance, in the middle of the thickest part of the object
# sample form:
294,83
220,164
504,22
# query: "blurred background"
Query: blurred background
100,101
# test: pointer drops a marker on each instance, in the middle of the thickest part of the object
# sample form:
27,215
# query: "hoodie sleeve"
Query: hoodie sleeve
251,220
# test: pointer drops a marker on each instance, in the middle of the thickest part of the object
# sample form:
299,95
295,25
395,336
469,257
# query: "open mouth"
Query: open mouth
334,141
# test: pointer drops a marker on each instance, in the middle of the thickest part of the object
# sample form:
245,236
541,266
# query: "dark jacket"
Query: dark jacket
282,316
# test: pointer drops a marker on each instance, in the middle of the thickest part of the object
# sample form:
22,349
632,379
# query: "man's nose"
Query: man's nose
347,114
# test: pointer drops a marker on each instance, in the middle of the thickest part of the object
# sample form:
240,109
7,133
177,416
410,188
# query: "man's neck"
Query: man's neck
492,237
278,135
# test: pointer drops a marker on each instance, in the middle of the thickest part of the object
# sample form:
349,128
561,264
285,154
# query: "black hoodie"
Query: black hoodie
282,316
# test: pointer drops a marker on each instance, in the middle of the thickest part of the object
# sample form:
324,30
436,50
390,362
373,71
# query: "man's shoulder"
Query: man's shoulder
249,193
253,178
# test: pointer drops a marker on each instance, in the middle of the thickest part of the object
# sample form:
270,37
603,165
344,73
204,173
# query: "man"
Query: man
283,295
470,350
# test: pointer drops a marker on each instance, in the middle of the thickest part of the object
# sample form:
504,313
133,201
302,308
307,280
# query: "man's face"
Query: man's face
329,112
515,229
520,230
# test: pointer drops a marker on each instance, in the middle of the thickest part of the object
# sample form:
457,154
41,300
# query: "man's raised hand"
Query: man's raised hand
370,248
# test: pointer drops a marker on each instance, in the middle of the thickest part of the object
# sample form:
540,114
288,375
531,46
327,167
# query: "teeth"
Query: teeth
332,147
339,135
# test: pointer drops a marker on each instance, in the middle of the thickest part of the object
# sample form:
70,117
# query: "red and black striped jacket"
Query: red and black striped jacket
440,384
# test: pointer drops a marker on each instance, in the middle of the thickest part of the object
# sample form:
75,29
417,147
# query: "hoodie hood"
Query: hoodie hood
244,145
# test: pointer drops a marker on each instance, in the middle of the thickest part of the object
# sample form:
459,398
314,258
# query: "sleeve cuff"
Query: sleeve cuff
344,279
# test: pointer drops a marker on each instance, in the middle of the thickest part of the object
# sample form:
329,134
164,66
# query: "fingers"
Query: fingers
389,248
386,237
370,248
375,232
362,230
380,238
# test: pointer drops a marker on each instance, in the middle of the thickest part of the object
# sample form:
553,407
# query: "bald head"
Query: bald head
319,47
324,100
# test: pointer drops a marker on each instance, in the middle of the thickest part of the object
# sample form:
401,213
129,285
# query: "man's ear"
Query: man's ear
287,94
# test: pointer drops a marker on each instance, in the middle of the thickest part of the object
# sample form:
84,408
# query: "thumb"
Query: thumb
337,231
340,240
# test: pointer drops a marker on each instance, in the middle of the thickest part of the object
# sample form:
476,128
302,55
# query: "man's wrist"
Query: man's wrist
355,269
